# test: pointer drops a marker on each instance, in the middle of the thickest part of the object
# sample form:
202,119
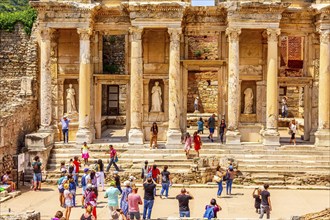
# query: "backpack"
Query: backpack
83,180
71,169
60,182
35,166
164,178
226,176
209,212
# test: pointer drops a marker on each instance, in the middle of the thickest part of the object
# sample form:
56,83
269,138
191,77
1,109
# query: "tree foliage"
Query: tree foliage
13,11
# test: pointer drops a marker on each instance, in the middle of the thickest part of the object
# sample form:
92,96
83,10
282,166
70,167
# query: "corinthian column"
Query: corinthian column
174,133
322,135
271,135
84,133
45,80
135,135
232,135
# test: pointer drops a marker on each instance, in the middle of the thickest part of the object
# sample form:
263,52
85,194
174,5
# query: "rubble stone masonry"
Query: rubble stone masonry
19,91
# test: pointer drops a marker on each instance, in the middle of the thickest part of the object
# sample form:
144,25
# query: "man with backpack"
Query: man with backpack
183,199
84,181
211,210
37,177
60,185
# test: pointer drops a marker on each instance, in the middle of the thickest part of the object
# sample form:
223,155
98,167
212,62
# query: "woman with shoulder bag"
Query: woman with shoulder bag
218,179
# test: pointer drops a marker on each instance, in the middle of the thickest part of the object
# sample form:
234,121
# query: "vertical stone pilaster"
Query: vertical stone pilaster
322,135
135,135
84,133
233,135
45,80
271,135
174,132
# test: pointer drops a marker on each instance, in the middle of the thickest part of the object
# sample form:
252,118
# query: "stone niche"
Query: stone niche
203,84
248,87
75,86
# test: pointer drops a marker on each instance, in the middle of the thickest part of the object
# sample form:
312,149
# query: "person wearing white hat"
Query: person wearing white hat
65,128
123,201
131,180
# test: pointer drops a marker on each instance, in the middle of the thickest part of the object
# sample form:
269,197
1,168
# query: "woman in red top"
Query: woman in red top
197,142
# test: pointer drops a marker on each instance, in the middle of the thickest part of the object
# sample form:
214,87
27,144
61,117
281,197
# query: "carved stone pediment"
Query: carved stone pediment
109,15
205,15
250,69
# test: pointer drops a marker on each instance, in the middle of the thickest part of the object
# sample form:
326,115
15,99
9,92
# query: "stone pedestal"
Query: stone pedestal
135,135
84,133
271,135
233,138
174,132
233,135
322,135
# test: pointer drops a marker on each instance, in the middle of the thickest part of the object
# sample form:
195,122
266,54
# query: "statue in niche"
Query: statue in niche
70,100
248,101
156,98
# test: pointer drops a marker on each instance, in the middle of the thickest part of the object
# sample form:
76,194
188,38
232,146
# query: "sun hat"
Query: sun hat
127,183
131,178
89,186
112,183
115,172
86,170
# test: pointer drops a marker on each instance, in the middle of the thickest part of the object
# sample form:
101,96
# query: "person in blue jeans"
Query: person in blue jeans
149,197
65,129
166,182
183,199
220,174
229,181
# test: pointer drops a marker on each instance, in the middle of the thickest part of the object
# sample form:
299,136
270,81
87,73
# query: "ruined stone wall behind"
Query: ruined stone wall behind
205,86
19,113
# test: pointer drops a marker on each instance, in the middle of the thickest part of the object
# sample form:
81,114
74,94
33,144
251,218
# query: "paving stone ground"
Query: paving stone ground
286,203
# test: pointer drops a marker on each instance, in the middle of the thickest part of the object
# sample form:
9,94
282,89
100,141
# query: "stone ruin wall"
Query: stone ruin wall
205,86
18,93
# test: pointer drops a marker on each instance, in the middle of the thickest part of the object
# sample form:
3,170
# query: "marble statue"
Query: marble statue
248,101
156,98
70,100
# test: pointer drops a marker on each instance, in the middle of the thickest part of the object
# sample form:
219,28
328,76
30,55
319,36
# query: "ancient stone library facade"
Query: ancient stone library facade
138,62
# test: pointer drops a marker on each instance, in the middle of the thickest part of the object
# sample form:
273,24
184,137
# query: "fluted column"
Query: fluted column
322,135
135,135
233,135
271,135
84,133
45,80
174,133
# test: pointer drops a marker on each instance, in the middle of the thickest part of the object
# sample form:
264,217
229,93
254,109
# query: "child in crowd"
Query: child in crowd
6,179
84,153
63,167
187,144
117,180
197,142
72,189
67,201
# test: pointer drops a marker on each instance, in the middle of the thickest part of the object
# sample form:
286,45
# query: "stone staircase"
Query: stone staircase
257,164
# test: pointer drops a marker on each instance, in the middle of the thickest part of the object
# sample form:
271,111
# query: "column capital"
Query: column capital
136,33
174,33
233,33
84,33
324,36
272,34
47,33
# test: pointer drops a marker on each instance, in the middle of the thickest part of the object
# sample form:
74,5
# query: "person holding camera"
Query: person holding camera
183,199
149,196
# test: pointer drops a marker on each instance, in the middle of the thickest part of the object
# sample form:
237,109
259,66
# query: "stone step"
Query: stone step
286,168
245,162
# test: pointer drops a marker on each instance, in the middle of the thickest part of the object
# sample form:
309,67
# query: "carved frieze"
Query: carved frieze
250,69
